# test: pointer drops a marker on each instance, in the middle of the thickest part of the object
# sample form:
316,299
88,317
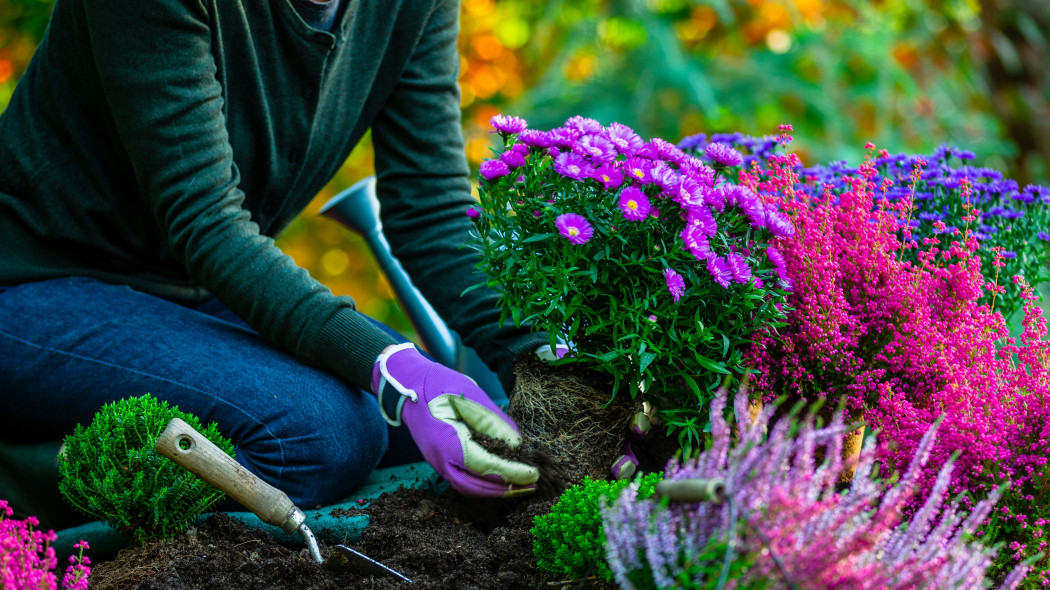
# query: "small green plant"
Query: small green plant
110,470
569,540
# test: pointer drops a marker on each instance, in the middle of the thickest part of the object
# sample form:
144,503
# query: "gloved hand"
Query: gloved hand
440,407
626,463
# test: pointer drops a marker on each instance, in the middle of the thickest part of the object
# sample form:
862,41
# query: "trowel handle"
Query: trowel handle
187,447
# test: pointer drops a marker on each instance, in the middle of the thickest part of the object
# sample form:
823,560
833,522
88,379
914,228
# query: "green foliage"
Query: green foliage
703,571
569,540
110,470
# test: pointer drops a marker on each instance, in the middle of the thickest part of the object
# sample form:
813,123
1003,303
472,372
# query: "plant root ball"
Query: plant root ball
572,415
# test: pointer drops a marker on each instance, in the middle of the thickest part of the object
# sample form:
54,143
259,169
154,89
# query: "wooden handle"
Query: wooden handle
187,447
692,490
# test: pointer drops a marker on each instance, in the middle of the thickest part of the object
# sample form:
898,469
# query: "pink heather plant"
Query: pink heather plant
27,559
899,331
646,261
785,518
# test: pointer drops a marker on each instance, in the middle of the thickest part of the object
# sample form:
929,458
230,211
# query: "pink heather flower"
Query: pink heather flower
675,283
584,125
719,269
473,212
534,138
572,165
624,138
723,155
596,148
637,169
634,204
574,227
738,267
696,242
493,169
508,124
609,176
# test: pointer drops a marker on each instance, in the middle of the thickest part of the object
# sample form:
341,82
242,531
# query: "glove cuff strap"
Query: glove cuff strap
390,393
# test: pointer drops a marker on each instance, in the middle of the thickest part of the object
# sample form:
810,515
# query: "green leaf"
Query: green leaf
711,365
646,359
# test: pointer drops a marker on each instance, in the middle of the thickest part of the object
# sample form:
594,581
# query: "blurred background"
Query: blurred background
907,75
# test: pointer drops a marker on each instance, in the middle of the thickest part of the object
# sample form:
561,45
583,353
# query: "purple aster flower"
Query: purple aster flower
675,283
701,172
493,169
777,260
718,267
515,158
716,198
637,169
1008,254
664,177
563,137
609,176
634,204
473,212
574,227
688,193
669,151
572,165
534,138
702,218
1043,236
723,155
624,138
693,141
507,125
738,267
584,125
779,225
596,147
696,242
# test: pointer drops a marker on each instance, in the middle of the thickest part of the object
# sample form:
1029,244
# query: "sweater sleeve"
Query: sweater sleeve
424,188
159,77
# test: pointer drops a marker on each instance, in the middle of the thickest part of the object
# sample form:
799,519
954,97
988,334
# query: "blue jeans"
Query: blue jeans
68,346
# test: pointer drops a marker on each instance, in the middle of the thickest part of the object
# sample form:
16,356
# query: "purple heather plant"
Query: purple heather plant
786,518
27,559
631,252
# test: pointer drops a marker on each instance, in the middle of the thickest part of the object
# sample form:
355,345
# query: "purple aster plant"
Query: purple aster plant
578,242
574,227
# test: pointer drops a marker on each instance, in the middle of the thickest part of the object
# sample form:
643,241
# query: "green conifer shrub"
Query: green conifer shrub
568,540
109,470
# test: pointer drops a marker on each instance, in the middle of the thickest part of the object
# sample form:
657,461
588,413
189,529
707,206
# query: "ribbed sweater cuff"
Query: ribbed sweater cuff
349,344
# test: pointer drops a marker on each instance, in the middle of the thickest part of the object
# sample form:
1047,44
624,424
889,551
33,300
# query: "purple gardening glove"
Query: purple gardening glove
626,463
440,407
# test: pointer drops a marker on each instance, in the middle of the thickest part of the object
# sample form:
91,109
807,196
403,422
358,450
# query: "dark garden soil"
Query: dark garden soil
449,541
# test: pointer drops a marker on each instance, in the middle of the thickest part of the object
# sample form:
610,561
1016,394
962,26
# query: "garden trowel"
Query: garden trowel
191,450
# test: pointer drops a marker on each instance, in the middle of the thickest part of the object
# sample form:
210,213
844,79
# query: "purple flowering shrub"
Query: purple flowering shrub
27,559
783,516
899,329
944,190
648,262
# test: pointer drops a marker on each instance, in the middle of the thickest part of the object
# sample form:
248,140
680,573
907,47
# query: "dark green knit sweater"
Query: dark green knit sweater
162,144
